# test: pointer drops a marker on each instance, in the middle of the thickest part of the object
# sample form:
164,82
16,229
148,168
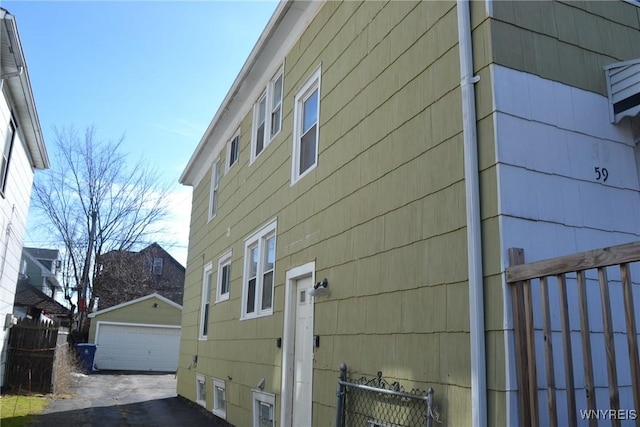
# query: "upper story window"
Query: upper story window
215,183
259,269
224,277
6,155
306,119
267,115
276,104
233,150
207,282
157,266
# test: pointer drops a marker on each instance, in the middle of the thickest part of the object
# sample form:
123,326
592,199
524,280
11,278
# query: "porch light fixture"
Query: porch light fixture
320,288
261,384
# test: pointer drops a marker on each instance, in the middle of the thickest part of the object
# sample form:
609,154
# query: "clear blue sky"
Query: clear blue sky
155,71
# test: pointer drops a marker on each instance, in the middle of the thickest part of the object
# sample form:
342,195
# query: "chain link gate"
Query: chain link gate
376,403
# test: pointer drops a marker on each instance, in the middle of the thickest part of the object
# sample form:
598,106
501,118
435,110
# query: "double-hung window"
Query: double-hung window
207,282
259,269
306,122
215,184
276,104
259,124
233,150
224,277
263,409
267,115
6,155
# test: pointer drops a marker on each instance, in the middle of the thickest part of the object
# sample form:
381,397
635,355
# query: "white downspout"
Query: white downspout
474,237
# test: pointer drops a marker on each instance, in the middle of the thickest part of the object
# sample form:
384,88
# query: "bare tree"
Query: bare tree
122,276
97,201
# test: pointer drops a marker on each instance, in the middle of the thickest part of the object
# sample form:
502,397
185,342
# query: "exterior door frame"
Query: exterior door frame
288,361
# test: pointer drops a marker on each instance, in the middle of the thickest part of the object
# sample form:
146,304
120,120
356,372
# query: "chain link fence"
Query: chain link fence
374,402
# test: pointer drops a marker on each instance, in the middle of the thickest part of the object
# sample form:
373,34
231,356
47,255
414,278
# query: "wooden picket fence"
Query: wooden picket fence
583,272
30,362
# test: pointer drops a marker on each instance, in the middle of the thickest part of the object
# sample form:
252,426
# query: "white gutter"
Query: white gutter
20,89
13,74
474,236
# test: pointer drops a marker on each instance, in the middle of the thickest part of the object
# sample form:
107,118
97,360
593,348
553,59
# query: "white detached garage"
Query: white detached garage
138,335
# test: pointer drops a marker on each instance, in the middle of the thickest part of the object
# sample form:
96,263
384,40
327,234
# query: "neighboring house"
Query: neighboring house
31,302
39,294
22,152
40,268
138,335
125,275
399,149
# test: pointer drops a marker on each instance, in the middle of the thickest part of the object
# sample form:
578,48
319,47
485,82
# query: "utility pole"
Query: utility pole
84,281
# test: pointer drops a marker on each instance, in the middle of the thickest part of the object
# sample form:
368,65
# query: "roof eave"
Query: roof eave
187,177
19,88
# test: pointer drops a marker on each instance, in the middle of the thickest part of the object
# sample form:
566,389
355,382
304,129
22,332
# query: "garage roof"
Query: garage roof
135,301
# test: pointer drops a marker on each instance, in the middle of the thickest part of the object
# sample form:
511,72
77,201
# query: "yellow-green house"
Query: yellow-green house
398,150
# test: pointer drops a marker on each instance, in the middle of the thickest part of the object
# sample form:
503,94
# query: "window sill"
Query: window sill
220,414
228,168
296,179
256,316
222,298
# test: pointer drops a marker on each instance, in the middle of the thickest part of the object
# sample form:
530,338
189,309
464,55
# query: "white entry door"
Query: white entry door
303,355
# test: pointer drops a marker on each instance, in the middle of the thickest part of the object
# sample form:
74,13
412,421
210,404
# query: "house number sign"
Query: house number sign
601,174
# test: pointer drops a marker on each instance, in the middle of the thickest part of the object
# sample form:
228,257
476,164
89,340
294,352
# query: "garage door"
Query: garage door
137,347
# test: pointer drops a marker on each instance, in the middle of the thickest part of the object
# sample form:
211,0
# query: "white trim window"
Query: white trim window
201,390
219,398
259,271
207,282
264,405
215,184
267,115
6,154
306,123
224,277
259,126
276,86
233,150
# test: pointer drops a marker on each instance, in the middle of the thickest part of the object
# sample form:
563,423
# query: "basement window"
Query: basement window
219,398
201,390
263,409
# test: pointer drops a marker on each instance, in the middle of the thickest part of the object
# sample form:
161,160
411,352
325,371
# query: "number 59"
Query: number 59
601,174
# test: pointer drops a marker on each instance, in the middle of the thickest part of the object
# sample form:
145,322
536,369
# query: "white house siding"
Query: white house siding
550,137
13,214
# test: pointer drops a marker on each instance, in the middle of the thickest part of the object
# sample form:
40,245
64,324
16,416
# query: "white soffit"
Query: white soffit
623,88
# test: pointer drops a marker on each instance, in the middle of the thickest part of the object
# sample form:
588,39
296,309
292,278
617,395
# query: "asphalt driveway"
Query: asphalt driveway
124,399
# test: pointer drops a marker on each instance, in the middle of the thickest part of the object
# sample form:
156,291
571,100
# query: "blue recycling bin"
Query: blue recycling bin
86,353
